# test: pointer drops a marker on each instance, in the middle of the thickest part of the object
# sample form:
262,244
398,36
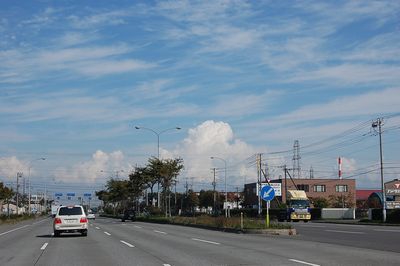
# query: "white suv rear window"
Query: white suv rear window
70,211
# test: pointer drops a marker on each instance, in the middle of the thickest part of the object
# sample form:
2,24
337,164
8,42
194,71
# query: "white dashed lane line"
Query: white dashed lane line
137,226
206,241
4,233
304,262
345,232
128,244
160,232
107,233
44,246
387,230
97,228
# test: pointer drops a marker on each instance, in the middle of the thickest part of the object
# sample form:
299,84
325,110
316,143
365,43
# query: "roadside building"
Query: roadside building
338,192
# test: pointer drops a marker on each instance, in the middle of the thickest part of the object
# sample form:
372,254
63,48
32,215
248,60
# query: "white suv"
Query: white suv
70,219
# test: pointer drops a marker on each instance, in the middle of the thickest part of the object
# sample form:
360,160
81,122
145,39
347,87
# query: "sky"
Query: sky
238,77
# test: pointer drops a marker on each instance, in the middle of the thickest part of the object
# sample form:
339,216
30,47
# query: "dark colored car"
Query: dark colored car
128,215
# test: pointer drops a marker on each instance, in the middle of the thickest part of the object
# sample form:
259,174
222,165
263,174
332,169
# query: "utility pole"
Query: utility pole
214,193
19,175
296,160
378,124
259,182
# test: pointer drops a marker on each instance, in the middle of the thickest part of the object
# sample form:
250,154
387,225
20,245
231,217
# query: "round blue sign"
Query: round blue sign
267,193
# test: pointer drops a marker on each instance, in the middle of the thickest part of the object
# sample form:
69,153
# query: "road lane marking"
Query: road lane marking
160,232
304,262
137,226
315,226
97,228
206,241
44,246
15,229
387,230
128,244
45,220
166,264
107,233
345,232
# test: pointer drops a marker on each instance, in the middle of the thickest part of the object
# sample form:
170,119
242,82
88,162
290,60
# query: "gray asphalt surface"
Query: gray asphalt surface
111,242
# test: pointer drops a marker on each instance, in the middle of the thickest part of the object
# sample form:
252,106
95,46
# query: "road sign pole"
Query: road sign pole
267,216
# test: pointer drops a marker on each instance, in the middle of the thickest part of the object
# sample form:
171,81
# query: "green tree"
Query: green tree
206,199
6,195
320,202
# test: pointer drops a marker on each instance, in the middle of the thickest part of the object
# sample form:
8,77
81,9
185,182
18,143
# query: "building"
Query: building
339,192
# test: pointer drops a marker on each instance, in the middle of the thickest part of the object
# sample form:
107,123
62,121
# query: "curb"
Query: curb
286,232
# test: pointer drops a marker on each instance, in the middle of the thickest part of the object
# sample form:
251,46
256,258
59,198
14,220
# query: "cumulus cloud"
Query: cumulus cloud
9,166
212,138
100,167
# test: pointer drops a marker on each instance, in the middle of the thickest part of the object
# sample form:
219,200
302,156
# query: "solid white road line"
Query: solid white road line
345,232
304,262
45,220
206,241
107,233
128,244
166,264
97,228
44,246
4,233
137,226
387,230
313,226
160,232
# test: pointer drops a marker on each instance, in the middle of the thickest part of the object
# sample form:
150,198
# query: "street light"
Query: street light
226,192
29,182
158,133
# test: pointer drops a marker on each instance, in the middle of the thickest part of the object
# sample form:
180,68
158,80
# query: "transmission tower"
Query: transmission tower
296,160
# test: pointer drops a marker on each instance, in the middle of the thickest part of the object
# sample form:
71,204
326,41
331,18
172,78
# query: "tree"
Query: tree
206,199
5,195
320,202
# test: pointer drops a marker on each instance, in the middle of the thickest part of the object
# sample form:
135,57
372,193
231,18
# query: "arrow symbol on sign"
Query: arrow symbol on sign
266,193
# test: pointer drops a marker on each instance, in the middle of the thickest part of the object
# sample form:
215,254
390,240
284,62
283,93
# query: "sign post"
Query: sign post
267,194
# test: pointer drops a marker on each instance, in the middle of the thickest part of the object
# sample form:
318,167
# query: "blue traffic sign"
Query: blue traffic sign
87,194
57,194
267,193
71,194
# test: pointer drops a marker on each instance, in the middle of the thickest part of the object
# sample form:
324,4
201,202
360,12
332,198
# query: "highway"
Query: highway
111,242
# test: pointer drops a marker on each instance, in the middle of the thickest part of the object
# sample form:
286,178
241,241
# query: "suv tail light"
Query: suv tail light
83,220
57,220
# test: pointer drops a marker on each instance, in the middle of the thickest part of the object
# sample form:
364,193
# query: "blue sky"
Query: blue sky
239,78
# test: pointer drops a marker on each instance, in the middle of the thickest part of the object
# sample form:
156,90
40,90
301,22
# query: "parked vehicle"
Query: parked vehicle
70,219
298,207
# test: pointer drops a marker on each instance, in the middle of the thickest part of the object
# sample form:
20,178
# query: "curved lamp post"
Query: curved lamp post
158,133
29,182
226,192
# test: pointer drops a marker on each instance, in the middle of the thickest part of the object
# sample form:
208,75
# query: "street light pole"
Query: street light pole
29,182
226,192
158,133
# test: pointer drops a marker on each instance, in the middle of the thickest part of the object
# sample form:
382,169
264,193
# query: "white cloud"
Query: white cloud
10,166
213,139
101,166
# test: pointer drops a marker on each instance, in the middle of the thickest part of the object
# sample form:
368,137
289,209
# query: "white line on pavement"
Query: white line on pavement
160,232
304,262
166,264
128,244
97,227
206,241
345,232
107,233
387,230
137,226
314,226
44,246
14,230
44,220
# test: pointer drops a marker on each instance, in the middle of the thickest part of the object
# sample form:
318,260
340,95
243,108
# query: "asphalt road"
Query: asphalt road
110,242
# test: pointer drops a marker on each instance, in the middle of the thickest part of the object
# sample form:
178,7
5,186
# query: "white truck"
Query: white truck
54,209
